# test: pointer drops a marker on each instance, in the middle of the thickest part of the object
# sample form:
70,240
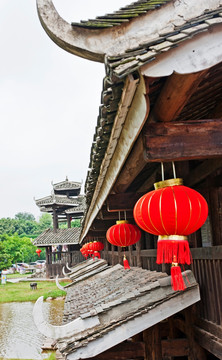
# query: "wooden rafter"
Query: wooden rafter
175,94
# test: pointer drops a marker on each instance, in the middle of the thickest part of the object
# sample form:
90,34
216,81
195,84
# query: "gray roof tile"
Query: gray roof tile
61,236
116,296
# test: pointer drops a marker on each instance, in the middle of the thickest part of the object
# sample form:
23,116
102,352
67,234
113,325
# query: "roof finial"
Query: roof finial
67,178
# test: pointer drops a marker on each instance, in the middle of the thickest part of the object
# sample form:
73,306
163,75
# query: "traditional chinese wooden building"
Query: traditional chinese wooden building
161,103
62,245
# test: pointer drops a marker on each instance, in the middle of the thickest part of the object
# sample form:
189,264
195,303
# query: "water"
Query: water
19,337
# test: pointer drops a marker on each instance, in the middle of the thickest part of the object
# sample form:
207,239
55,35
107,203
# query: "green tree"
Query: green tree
76,223
5,258
19,249
45,222
24,216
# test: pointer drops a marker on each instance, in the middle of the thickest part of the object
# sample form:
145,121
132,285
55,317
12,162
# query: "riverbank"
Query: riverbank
21,291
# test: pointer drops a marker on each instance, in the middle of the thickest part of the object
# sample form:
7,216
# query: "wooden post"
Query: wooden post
68,221
131,255
196,352
119,255
112,247
153,349
55,220
138,254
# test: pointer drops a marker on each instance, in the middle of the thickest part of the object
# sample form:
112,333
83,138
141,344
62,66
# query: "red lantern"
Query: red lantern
171,211
97,246
38,251
123,234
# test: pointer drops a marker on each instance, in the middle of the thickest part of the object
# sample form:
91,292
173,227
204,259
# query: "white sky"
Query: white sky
49,103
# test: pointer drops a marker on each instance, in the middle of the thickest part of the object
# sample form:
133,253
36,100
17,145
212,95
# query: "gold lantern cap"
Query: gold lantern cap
122,222
168,182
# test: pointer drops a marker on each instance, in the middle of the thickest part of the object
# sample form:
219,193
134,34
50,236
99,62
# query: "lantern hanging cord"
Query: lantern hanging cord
162,171
174,170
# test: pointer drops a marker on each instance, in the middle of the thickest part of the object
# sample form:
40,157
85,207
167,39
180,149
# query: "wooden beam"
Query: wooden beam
101,225
124,351
200,173
135,163
175,347
208,342
104,214
193,139
122,202
96,234
148,184
176,92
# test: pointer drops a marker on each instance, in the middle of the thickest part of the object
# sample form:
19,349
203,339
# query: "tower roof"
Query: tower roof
67,187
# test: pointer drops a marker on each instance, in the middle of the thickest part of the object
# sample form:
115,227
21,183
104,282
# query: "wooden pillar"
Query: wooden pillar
196,352
152,340
55,220
48,260
106,252
120,255
68,217
131,255
138,254
113,262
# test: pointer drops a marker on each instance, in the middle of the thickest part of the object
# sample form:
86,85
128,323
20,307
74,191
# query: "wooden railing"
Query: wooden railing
64,257
56,260
207,269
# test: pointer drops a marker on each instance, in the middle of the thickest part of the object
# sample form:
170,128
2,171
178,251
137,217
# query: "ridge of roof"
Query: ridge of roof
123,15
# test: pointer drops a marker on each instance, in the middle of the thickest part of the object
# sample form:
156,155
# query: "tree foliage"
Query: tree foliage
5,258
24,216
24,224
17,249
16,238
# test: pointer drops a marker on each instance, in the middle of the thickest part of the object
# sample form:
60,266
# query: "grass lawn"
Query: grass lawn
51,356
17,275
21,291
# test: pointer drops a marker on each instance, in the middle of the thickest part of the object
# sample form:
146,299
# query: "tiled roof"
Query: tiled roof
61,236
86,269
76,210
118,296
67,185
125,14
56,200
118,67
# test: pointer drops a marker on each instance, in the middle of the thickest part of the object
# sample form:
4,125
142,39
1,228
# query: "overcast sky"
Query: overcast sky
49,103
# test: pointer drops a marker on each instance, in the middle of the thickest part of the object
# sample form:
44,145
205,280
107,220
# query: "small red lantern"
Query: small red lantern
97,246
38,251
172,211
123,234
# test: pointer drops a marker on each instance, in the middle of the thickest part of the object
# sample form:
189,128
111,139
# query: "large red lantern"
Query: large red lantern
172,211
123,234
38,251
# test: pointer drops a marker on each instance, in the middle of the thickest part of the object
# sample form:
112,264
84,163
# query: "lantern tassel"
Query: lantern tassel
177,281
125,263
168,249
96,254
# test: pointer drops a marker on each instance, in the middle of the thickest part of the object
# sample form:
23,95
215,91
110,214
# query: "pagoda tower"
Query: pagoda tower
62,244
65,203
